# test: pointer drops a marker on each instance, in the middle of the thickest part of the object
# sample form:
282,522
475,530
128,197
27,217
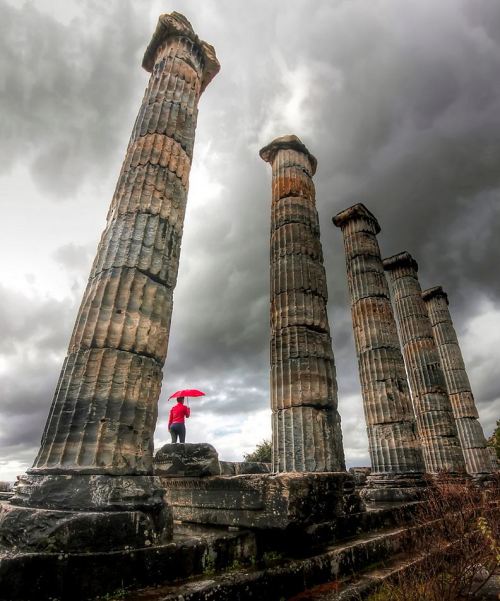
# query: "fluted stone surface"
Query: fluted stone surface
306,425
394,446
104,410
470,433
436,425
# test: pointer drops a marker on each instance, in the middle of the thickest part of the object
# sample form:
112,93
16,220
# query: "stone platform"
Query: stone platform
84,576
219,562
263,501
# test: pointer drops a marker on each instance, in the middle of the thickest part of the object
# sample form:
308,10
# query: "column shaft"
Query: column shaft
394,446
104,410
306,424
436,425
470,433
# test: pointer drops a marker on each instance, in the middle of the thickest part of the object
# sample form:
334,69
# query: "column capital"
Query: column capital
289,142
403,259
434,292
174,24
357,211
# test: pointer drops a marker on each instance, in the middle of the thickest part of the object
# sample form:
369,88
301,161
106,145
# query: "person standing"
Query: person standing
176,425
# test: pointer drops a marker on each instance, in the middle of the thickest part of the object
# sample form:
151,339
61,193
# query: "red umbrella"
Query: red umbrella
188,392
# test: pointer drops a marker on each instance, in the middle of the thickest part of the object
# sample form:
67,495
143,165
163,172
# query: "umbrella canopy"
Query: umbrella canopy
188,392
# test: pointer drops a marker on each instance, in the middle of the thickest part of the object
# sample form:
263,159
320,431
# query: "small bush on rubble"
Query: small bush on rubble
456,544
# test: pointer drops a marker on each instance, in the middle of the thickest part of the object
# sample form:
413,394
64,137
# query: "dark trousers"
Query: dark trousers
178,430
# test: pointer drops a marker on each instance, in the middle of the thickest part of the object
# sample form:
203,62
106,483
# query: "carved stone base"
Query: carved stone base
77,512
88,492
391,488
263,501
49,530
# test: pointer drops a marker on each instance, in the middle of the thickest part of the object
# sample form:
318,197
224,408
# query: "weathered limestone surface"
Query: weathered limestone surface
395,449
306,424
263,501
470,433
238,468
436,425
104,410
187,459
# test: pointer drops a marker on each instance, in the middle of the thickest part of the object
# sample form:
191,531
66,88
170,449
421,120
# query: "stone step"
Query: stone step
361,585
279,577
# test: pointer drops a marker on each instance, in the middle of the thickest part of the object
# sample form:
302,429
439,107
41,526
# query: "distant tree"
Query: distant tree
494,439
262,453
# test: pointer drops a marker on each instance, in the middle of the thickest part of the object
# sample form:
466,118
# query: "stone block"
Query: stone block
31,529
187,459
360,474
235,468
270,501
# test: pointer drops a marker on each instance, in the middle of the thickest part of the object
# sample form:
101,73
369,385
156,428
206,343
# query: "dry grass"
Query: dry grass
458,544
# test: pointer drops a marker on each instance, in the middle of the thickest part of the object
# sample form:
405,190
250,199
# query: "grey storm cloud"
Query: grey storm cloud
401,108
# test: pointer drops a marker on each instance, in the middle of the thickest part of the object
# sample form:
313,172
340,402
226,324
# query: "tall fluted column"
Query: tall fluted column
395,449
471,435
306,424
436,425
98,438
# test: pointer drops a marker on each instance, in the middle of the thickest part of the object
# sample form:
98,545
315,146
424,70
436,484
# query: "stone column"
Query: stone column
436,425
96,449
306,424
395,450
470,433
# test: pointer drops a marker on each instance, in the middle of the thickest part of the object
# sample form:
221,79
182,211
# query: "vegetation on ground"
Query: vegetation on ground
456,542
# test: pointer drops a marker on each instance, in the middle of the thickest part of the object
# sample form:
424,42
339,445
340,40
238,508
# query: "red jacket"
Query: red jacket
178,413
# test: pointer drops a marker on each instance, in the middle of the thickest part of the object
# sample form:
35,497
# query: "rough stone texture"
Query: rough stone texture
360,475
28,529
104,410
187,459
236,468
394,446
470,433
69,576
263,501
306,424
436,425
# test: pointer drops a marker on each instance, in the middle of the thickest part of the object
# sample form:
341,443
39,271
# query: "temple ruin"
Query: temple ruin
100,513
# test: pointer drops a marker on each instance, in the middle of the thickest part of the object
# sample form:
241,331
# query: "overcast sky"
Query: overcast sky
401,106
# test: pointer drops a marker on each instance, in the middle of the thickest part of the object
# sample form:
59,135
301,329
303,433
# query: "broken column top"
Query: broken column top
355,212
175,24
433,293
403,259
284,143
